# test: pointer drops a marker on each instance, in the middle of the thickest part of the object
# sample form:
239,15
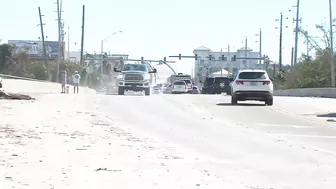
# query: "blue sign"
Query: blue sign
35,48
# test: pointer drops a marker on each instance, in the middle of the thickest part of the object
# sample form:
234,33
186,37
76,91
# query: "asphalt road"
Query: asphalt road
288,145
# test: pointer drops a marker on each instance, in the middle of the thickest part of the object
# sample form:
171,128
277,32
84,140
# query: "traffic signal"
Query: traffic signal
234,58
195,56
164,60
179,56
223,58
142,60
210,57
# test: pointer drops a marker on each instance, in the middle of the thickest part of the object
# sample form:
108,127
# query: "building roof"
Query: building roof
202,48
243,49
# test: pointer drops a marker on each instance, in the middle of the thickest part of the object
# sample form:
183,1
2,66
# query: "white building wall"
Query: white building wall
204,63
73,56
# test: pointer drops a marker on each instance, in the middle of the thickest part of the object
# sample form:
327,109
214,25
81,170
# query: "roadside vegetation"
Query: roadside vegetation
311,71
19,64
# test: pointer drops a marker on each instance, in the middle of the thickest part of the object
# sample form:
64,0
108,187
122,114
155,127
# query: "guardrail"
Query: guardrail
4,76
308,92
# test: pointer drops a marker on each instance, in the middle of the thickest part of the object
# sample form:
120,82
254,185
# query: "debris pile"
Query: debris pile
14,96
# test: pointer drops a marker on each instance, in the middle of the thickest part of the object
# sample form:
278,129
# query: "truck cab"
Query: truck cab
136,77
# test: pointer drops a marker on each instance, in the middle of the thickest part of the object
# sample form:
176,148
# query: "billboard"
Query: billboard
35,48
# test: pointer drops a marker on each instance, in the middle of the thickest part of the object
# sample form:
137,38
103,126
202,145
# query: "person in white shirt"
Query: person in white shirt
76,79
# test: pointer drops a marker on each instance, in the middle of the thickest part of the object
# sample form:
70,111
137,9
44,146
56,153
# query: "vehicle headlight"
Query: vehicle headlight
147,77
121,76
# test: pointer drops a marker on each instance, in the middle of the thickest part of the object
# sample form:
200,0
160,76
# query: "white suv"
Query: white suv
179,87
252,84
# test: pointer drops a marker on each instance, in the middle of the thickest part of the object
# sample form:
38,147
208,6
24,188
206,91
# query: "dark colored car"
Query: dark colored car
221,85
208,85
216,85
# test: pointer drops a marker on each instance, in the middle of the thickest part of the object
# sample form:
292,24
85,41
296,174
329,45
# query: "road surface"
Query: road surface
167,141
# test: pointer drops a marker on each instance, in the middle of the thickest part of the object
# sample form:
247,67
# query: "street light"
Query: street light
105,40
332,66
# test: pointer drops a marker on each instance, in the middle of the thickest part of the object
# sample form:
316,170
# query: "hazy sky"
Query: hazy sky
158,28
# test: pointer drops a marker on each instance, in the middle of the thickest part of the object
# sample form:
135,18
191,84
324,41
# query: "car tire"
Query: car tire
121,91
234,101
269,102
147,92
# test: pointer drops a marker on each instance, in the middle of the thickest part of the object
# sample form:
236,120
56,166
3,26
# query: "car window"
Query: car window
187,81
252,75
179,83
221,80
209,81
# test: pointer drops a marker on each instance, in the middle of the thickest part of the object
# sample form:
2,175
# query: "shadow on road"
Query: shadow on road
326,115
239,104
115,94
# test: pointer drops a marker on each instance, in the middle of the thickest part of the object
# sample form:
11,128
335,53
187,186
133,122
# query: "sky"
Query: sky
154,29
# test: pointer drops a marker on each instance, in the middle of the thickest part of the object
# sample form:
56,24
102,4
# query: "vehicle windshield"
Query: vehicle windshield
252,75
135,67
179,83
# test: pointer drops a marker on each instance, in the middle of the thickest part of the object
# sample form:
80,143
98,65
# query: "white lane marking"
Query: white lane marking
277,125
307,136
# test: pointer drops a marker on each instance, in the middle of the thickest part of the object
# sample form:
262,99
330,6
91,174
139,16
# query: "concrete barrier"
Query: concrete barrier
26,86
308,92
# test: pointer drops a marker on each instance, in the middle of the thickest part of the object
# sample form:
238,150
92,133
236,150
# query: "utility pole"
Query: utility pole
229,59
260,42
274,70
82,41
332,66
222,64
307,40
43,44
62,30
62,41
245,52
292,58
280,43
59,40
296,31
68,43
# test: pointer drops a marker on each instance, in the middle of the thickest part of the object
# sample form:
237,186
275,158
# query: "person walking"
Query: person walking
63,80
76,79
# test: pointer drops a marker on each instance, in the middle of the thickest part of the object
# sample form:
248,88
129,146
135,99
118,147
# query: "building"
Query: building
232,66
204,66
73,56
